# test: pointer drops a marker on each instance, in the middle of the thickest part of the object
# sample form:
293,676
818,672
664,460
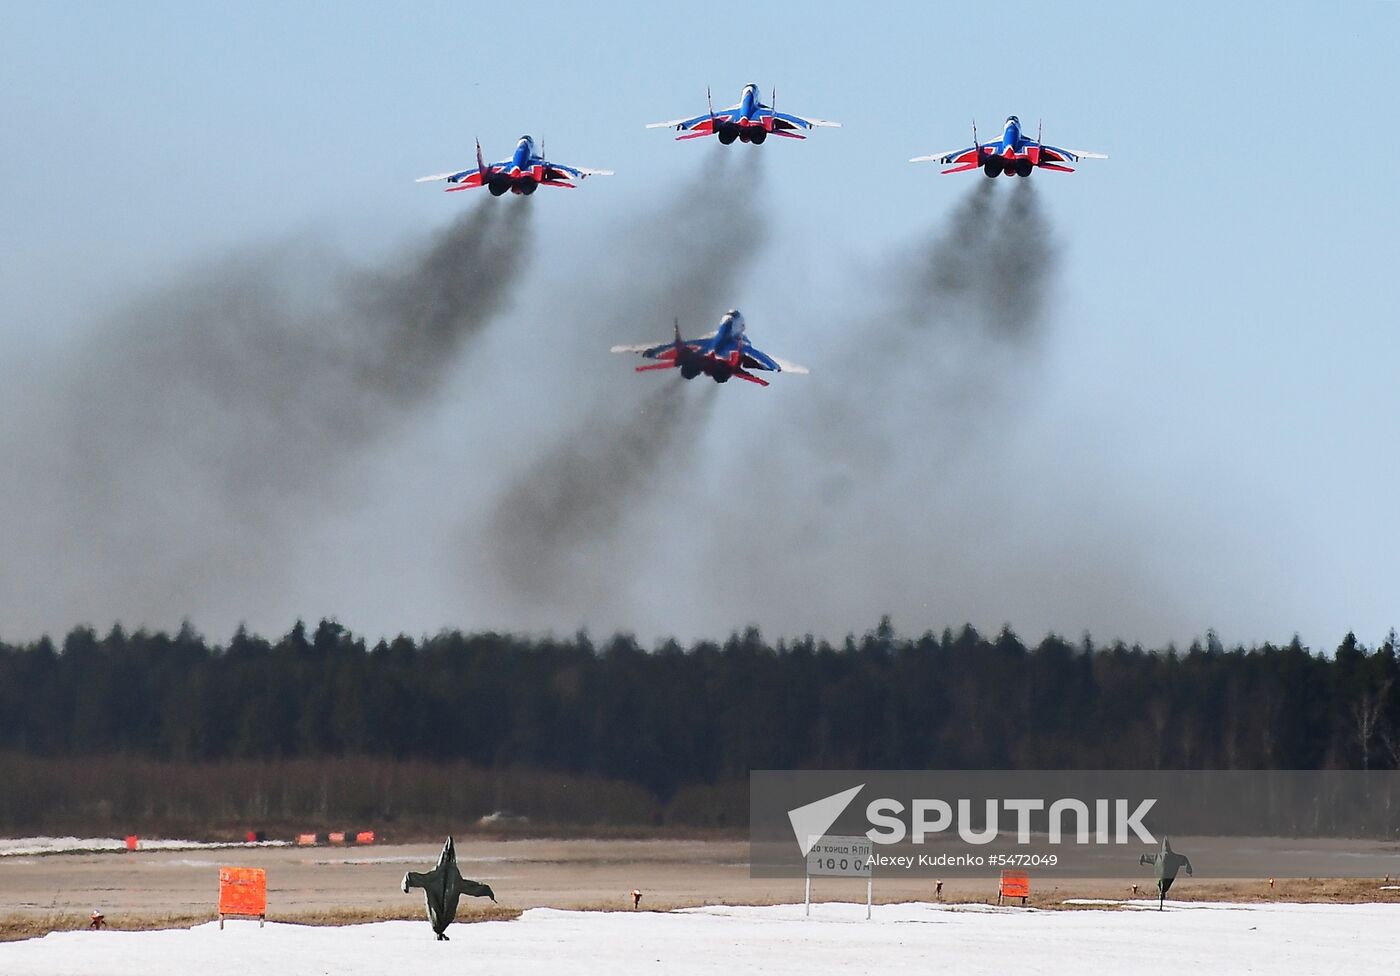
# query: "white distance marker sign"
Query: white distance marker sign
843,857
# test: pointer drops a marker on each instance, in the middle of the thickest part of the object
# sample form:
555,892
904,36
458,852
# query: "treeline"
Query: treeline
401,799
671,718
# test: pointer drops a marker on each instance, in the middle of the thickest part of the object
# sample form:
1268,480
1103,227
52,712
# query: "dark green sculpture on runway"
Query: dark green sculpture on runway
1168,862
442,886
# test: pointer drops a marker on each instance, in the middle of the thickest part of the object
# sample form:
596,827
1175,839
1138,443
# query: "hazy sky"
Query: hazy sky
1199,431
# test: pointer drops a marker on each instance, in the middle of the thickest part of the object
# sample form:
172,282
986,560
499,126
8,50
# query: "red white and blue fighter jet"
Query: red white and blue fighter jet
723,353
523,173
1013,153
749,121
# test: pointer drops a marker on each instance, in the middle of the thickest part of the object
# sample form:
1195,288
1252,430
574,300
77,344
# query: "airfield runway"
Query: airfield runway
531,873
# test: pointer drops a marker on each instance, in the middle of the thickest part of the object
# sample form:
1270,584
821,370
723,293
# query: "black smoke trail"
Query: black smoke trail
167,462
603,465
552,535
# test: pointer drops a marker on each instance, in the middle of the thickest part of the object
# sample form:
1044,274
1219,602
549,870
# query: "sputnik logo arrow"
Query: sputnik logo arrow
811,822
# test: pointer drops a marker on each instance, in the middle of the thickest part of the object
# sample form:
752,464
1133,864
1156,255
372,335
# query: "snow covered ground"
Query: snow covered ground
26,846
1188,938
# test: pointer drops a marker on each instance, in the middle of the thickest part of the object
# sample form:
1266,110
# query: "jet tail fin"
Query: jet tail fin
480,161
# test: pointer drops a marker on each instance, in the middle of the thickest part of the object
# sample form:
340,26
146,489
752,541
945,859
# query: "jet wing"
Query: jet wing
648,350
559,171
1057,155
755,358
789,367
469,179
652,350
968,155
697,121
680,124
461,176
782,120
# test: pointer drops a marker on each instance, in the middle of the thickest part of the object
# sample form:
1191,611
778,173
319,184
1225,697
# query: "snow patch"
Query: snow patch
1215,938
26,846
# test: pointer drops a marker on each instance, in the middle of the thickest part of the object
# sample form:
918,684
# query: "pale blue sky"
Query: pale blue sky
1224,354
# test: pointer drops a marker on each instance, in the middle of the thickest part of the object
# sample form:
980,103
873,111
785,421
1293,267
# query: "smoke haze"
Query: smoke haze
174,465
166,465
558,539
899,480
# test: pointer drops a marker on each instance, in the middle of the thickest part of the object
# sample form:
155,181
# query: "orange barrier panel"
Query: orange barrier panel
337,837
306,840
365,837
132,841
242,892
1014,884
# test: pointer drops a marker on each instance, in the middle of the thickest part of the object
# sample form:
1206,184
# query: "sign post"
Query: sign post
841,857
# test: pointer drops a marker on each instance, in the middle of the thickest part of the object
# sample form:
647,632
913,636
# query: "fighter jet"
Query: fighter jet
721,354
442,887
748,121
1013,153
523,173
1168,862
